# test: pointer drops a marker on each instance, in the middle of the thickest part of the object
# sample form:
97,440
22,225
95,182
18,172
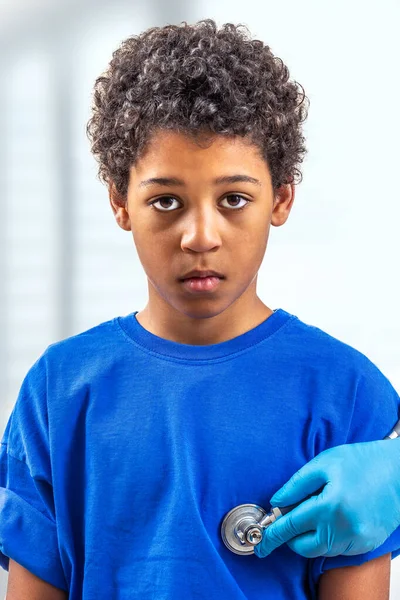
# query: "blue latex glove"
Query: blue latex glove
356,511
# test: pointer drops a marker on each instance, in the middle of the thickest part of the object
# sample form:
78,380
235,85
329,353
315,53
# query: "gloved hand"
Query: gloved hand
356,511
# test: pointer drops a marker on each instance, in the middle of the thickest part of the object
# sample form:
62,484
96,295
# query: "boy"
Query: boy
129,442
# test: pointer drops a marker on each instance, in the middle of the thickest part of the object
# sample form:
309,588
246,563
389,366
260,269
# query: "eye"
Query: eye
169,198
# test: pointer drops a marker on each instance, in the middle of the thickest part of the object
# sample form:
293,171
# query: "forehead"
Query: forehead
168,150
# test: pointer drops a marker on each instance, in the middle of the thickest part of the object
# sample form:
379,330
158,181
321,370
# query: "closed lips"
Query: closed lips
196,273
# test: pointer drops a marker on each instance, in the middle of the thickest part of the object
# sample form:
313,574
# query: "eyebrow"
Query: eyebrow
170,181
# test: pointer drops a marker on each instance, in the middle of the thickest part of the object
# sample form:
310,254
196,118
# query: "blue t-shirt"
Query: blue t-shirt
124,451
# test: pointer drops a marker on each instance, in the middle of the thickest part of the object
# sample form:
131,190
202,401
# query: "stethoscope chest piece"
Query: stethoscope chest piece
240,529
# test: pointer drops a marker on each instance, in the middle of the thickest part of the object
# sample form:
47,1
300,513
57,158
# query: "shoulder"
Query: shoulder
98,335
67,363
362,398
318,347
101,344
342,355
59,379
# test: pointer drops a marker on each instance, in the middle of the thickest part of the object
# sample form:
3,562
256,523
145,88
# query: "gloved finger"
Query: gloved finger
306,481
359,546
302,519
309,545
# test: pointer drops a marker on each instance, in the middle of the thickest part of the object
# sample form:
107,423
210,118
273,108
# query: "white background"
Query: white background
64,263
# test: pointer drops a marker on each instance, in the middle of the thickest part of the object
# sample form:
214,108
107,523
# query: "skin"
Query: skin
369,581
201,228
24,585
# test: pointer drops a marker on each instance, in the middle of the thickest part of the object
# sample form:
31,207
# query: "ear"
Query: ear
119,207
283,202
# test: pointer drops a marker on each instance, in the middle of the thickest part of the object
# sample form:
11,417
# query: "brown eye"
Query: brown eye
240,198
165,199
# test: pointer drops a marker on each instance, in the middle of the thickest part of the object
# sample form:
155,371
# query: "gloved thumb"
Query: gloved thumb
305,482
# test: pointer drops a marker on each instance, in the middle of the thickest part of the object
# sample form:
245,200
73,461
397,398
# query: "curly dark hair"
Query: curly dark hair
196,79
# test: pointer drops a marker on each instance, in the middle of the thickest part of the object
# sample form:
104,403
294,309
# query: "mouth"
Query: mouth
201,284
194,273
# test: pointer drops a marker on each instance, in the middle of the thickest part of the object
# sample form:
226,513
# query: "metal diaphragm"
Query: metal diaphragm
236,523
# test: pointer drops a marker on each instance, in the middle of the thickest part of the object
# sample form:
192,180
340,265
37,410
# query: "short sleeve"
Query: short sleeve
28,528
375,412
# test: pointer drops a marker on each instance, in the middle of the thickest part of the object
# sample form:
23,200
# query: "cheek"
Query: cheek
154,256
144,248
253,241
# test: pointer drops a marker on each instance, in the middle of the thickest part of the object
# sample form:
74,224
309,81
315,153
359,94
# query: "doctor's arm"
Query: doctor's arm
354,505
369,581
24,585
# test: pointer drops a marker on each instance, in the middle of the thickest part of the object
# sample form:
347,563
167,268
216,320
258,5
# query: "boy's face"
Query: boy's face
198,226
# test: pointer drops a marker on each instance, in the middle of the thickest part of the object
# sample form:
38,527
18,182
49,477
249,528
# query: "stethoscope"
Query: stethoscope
242,527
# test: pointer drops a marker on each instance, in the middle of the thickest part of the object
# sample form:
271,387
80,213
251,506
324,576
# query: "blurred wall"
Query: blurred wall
64,263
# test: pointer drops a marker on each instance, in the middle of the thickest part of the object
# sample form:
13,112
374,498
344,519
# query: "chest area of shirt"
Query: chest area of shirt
205,443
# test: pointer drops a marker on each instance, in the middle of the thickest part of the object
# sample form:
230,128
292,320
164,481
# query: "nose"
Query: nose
201,230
